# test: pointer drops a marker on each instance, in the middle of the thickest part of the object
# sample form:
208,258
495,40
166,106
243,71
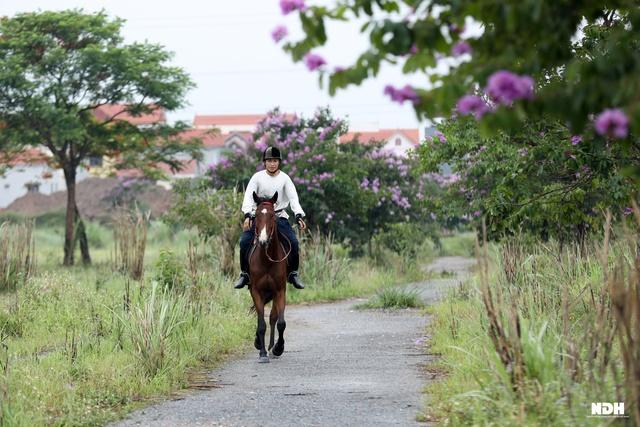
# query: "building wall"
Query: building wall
401,149
12,184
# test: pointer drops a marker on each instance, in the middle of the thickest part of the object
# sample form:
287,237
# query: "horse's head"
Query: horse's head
265,218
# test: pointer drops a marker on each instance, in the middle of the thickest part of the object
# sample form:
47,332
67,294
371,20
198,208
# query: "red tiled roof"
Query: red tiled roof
211,139
381,135
106,112
231,119
27,157
189,167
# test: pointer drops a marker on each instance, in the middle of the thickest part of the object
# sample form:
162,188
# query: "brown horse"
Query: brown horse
268,276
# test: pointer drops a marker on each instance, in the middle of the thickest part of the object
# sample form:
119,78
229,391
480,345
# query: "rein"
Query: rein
255,237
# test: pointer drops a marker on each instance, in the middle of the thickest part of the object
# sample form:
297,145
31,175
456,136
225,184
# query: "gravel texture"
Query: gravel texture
341,366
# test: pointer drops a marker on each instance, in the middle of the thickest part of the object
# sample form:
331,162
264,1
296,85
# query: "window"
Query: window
95,161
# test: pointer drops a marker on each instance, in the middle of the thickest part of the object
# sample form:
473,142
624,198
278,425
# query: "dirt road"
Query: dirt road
341,366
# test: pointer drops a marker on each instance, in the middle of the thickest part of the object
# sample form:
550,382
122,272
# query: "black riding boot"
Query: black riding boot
244,276
242,281
295,280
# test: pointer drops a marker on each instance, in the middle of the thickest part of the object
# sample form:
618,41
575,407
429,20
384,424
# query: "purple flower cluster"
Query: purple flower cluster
504,87
279,33
288,6
576,139
314,61
443,180
397,198
407,93
472,104
441,136
375,184
329,217
613,123
461,48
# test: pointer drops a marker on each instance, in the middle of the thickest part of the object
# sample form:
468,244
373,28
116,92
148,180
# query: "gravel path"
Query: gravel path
340,367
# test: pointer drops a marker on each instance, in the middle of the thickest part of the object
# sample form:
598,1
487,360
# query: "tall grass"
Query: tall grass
17,253
544,332
130,240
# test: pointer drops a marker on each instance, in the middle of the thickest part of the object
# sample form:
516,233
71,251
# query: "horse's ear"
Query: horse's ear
274,198
256,198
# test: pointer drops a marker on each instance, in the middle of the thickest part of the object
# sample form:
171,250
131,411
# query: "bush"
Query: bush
394,298
170,271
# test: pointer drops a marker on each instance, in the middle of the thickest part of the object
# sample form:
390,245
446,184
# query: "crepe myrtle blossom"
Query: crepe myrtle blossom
612,122
576,139
472,104
288,6
279,33
314,61
504,87
461,48
407,93
627,211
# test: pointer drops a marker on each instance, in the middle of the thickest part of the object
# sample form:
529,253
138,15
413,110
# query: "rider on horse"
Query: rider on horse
265,183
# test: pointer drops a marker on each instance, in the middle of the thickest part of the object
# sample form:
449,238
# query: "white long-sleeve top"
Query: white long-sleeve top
266,185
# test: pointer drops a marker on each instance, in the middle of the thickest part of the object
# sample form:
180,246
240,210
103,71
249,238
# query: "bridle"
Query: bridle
275,227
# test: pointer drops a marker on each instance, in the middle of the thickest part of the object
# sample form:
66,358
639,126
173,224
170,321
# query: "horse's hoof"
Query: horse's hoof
263,359
278,349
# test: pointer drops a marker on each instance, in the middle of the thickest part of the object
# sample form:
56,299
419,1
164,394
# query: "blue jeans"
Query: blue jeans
285,229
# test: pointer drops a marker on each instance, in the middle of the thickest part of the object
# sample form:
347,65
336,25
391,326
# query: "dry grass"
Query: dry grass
17,253
130,240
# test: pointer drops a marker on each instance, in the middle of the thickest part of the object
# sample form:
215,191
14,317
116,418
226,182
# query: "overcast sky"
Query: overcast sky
227,49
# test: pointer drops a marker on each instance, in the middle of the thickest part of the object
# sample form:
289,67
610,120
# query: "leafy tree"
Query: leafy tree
58,68
541,180
564,69
351,190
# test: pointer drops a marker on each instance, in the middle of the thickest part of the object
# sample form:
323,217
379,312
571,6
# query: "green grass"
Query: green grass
393,298
475,387
82,346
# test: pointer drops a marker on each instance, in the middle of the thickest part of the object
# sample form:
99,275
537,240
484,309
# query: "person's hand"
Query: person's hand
301,222
246,225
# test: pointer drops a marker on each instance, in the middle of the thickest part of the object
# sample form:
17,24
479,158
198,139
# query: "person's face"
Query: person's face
272,165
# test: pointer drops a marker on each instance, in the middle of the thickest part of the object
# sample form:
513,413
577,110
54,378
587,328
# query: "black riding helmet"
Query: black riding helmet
271,153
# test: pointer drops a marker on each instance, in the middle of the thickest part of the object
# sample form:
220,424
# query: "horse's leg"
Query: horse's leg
272,324
280,302
261,329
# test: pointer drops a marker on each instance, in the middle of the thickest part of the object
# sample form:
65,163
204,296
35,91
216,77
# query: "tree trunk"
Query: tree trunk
81,235
70,179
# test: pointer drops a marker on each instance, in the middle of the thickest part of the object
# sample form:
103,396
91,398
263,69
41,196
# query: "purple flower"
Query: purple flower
288,6
461,48
279,33
314,61
338,69
477,213
414,49
612,122
441,136
504,87
407,93
576,139
472,104
627,211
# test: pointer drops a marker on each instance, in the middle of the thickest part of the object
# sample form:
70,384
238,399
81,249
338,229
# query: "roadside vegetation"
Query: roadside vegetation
82,345
539,333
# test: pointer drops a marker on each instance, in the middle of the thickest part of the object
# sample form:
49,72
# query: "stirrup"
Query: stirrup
242,281
295,280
